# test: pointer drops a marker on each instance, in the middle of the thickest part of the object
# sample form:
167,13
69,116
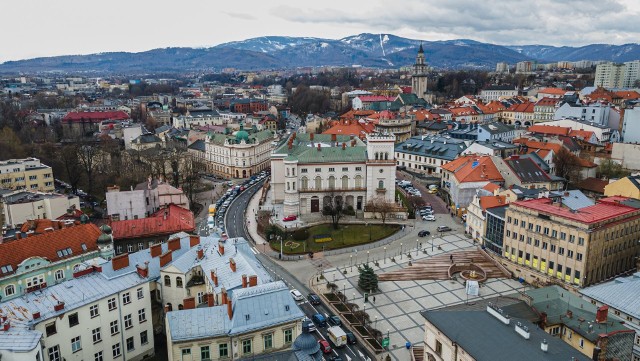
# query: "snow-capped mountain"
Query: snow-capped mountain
372,50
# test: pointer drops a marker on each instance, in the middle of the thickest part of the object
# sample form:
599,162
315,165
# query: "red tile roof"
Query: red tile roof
492,201
581,134
554,91
473,168
549,129
47,244
351,127
547,102
606,209
533,144
177,220
526,107
95,117
491,187
593,184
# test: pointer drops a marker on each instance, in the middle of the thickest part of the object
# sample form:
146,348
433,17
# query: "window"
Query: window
578,256
142,316
223,350
144,339
553,248
580,241
73,319
563,235
204,353
51,329
358,169
332,169
546,230
332,182
9,290
380,184
508,219
268,341
536,243
129,248
246,346
303,170
93,311
98,356
581,343
97,337
54,353
554,233
288,336
345,169
127,321
318,170
438,348
538,227
115,350
569,253
114,327
561,251
140,246
523,224
530,226
167,281
112,304
130,344
179,282
140,293
75,344
572,238
59,275
345,182
126,298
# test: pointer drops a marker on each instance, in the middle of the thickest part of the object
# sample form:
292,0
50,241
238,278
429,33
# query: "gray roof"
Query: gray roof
484,337
527,170
497,144
19,340
573,199
433,146
536,158
198,145
497,127
527,193
254,308
498,211
623,294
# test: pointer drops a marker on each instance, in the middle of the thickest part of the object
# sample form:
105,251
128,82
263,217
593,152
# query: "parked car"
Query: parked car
351,338
335,320
429,217
313,299
289,218
296,295
423,233
319,320
424,212
444,228
433,191
307,322
324,346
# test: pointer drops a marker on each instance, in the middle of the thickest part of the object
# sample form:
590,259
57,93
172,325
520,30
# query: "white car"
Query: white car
429,217
297,295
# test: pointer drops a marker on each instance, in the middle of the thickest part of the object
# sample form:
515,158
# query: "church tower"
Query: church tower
419,76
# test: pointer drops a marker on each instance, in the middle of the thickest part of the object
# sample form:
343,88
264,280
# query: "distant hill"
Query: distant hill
277,52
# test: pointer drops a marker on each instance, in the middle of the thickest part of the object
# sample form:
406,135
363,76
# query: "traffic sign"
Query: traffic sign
385,342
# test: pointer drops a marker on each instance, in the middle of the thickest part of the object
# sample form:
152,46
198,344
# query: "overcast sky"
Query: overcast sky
35,28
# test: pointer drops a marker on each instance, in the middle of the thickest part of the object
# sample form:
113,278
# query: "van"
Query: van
319,320
337,336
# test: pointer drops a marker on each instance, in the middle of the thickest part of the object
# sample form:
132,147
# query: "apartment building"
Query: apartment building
498,92
466,175
27,173
428,153
20,206
615,75
553,240
144,200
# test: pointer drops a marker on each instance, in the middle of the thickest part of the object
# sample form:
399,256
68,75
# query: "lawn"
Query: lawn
325,237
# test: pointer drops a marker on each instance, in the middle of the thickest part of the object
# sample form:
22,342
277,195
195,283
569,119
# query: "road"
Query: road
235,227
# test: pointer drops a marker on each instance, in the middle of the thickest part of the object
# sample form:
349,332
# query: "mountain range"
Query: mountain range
280,52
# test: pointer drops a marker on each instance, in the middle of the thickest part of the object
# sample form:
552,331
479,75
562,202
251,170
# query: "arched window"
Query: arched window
376,155
9,290
179,282
358,181
386,156
318,185
59,274
345,182
380,184
304,183
167,281
332,182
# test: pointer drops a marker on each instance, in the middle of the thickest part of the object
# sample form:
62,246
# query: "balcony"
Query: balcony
324,190
381,190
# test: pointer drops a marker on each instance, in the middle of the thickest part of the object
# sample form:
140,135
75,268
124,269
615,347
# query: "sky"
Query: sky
37,28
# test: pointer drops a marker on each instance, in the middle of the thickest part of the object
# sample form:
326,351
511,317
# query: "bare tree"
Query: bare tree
567,164
68,156
88,156
334,209
380,207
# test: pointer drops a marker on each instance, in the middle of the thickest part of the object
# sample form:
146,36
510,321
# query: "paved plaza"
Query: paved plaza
398,303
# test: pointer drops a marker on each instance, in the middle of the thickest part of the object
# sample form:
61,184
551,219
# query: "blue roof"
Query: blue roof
19,340
432,146
254,308
623,294
573,199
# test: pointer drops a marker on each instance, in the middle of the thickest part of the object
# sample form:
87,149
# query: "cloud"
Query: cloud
241,16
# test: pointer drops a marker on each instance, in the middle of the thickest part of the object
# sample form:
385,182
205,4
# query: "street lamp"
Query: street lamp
367,258
280,246
364,311
344,290
351,262
356,261
417,241
385,254
400,250
432,240
369,228
376,322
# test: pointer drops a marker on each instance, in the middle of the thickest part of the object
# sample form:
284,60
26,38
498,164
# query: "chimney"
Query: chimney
224,295
35,315
344,146
229,309
210,299
120,262
602,314
214,278
165,258
221,248
544,346
59,306
194,240
189,303
6,326
353,142
174,244
244,281
319,148
232,264
290,146
569,313
143,270
253,281
155,250
200,253
311,137
334,137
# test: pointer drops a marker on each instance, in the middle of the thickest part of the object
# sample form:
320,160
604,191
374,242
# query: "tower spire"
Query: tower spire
420,51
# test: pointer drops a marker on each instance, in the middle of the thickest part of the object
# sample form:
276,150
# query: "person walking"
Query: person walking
451,258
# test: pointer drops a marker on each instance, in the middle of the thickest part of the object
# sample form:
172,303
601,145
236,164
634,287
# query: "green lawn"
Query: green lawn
345,236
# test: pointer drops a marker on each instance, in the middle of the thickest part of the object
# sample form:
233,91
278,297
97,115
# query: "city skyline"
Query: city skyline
48,30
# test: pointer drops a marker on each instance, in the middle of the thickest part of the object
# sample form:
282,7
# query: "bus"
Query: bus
212,210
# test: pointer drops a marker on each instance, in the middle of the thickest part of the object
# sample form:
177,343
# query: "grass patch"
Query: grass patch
346,235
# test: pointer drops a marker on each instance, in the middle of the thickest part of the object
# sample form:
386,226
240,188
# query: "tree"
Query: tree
334,209
567,164
368,279
379,206
88,156
611,169
68,156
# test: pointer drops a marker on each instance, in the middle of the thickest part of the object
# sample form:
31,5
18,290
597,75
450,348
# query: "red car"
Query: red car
324,346
289,218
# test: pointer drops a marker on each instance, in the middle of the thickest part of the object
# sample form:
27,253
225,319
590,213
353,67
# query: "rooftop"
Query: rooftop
527,170
166,221
473,168
433,146
605,209
623,294
95,116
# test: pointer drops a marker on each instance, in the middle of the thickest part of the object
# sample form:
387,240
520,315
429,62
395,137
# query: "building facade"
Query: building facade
428,153
419,76
27,173
146,199
20,206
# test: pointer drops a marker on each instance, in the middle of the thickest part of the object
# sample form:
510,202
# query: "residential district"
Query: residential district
225,217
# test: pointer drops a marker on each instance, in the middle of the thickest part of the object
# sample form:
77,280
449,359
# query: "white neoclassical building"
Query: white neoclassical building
311,171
